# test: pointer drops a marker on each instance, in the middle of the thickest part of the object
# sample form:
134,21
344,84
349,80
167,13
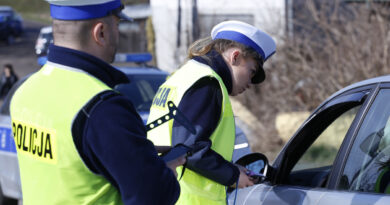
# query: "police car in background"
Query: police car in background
45,38
144,83
11,24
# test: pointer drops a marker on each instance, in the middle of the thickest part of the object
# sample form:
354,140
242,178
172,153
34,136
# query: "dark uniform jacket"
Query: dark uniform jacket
201,104
113,143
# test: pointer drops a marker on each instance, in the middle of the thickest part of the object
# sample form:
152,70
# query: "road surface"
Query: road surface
21,54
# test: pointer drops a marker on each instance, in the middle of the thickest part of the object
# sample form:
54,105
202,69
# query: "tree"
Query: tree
334,43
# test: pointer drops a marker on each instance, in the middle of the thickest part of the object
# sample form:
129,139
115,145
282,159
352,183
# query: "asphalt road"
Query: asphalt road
21,54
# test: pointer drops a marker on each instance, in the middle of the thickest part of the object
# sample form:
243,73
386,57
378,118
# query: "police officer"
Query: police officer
78,141
226,63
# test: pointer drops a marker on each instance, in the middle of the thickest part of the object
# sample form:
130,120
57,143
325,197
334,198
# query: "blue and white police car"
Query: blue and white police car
11,24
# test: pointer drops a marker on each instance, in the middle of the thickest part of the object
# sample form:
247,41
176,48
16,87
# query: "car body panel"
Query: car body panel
287,195
9,174
343,198
280,195
276,190
241,144
10,23
250,195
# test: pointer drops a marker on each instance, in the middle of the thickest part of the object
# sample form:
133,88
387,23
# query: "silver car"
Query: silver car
340,154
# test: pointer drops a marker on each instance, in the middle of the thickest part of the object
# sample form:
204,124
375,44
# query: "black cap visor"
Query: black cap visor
259,76
118,13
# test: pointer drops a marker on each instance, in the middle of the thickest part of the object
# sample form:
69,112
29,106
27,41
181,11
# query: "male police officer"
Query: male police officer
78,141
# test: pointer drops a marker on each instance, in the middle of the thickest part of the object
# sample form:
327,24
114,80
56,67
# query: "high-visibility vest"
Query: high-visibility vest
382,185
42,112
195,189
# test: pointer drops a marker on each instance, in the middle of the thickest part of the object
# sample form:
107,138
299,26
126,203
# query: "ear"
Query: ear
99,34
234,57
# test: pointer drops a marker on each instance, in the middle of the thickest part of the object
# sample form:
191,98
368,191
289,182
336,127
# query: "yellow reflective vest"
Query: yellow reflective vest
195,189
51,169
383,186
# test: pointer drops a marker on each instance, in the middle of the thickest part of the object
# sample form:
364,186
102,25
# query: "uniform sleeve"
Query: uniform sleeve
116,147
201,104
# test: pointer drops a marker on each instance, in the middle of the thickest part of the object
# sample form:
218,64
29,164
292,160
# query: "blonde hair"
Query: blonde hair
204,45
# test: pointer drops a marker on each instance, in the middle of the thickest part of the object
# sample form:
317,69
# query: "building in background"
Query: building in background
133,35
178,23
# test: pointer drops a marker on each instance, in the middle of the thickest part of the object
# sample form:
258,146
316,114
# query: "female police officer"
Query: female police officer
225,64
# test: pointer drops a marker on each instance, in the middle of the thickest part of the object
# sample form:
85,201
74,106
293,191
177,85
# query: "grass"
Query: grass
324,150
27,6
32,10
321,154
41,18
39,10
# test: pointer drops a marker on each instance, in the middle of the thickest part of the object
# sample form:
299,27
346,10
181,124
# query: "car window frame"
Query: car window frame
347,149
282,162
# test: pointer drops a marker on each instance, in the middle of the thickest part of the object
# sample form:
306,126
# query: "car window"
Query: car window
141,90
47,36
324,149
308,158
368,163
6,13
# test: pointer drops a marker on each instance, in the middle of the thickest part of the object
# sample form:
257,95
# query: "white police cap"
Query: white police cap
85,9
246,34
250,36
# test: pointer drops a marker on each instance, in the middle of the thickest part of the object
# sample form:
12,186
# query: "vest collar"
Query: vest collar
218,64
88,63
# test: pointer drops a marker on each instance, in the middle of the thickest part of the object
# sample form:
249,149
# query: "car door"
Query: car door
10,185
363,174
301,173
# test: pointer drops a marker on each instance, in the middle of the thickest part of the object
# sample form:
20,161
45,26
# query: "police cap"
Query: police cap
250,36
85,9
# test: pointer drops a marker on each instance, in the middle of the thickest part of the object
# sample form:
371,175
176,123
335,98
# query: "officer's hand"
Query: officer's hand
176,162
244,179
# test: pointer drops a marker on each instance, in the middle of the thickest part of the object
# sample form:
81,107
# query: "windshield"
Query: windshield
47,36
5,13
141,90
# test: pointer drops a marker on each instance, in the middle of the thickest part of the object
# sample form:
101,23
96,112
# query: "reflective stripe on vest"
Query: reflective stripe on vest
195,189
42,112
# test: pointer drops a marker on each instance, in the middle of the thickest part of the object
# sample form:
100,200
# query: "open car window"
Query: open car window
309,156
324,149
367,168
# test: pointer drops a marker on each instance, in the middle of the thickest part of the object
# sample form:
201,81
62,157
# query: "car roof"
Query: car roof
380,79
6,8
142,71
46,29
370,81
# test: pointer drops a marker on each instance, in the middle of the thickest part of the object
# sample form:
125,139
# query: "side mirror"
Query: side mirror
258,165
